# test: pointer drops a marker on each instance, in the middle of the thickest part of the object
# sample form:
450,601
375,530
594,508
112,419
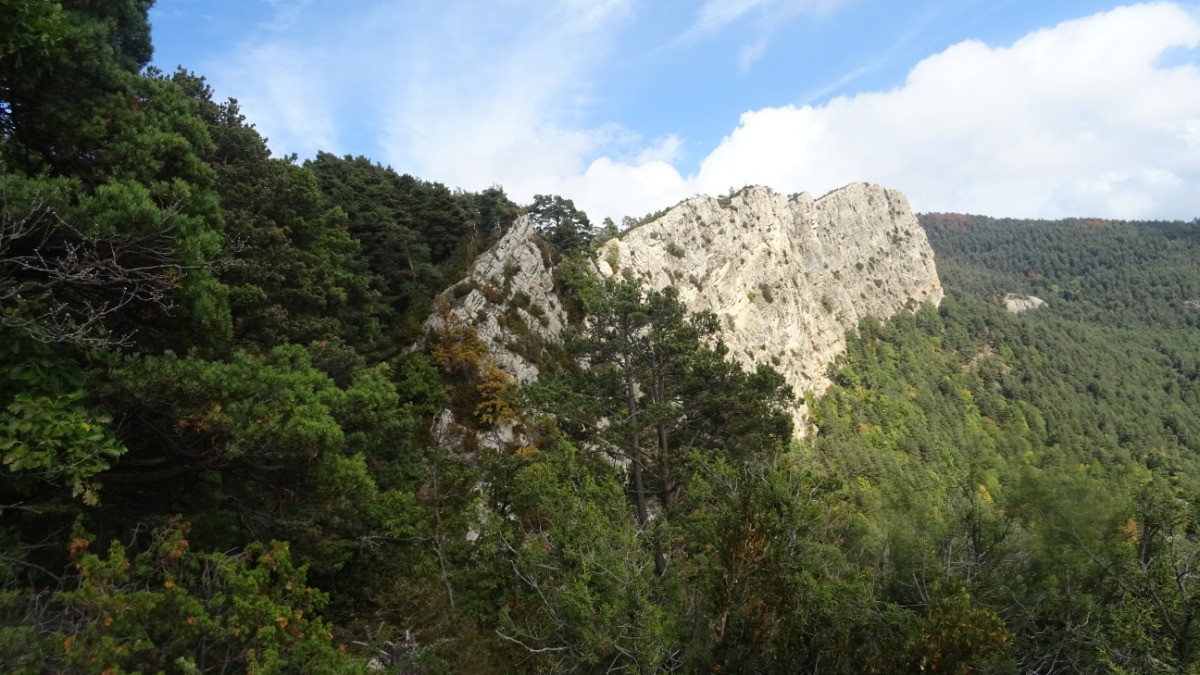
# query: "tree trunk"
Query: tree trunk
638,459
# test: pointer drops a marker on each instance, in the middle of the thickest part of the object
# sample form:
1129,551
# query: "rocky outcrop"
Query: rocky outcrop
508,296
1018,304
786,276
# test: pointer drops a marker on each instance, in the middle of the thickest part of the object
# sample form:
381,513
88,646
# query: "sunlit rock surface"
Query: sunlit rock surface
786,276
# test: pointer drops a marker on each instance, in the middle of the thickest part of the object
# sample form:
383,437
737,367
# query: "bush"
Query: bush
171,608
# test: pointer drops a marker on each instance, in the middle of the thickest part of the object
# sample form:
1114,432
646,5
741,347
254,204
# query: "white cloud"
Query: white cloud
283,95
715,15
1097,116
597,12
611,189
498,98
1078,119
750,54
665,150
467,93
286,12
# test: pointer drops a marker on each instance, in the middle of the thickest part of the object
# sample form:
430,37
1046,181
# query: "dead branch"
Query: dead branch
62,284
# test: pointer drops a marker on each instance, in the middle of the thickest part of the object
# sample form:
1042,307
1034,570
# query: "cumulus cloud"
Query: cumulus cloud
665,150
1082,118
1076,119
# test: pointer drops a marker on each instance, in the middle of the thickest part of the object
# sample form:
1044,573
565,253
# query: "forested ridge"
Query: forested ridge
223,446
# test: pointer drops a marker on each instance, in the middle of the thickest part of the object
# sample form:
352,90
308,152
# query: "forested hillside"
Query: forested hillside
223,445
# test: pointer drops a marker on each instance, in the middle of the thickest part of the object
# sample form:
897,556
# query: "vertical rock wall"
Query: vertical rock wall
786,276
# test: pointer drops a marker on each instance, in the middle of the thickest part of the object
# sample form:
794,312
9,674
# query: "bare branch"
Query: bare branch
531,650
62,284
26,563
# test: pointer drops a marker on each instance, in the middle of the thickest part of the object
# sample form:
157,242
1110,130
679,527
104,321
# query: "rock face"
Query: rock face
1018,304
507,296
785,276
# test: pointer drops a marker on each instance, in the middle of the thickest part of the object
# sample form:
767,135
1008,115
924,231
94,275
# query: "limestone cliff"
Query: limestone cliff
785,276
508,296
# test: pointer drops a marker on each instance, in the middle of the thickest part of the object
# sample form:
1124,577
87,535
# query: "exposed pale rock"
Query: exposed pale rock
786,276
1022,303
511,298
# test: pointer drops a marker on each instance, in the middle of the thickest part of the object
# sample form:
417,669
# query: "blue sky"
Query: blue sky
1023,108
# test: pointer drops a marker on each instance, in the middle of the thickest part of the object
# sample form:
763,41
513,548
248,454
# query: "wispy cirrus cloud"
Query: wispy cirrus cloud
511,107
285,13
715,15
282,96
465,92
763,16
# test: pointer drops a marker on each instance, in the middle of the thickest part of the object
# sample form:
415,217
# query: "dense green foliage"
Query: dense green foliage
417,237
228,445
565,227
1114,273
194,341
